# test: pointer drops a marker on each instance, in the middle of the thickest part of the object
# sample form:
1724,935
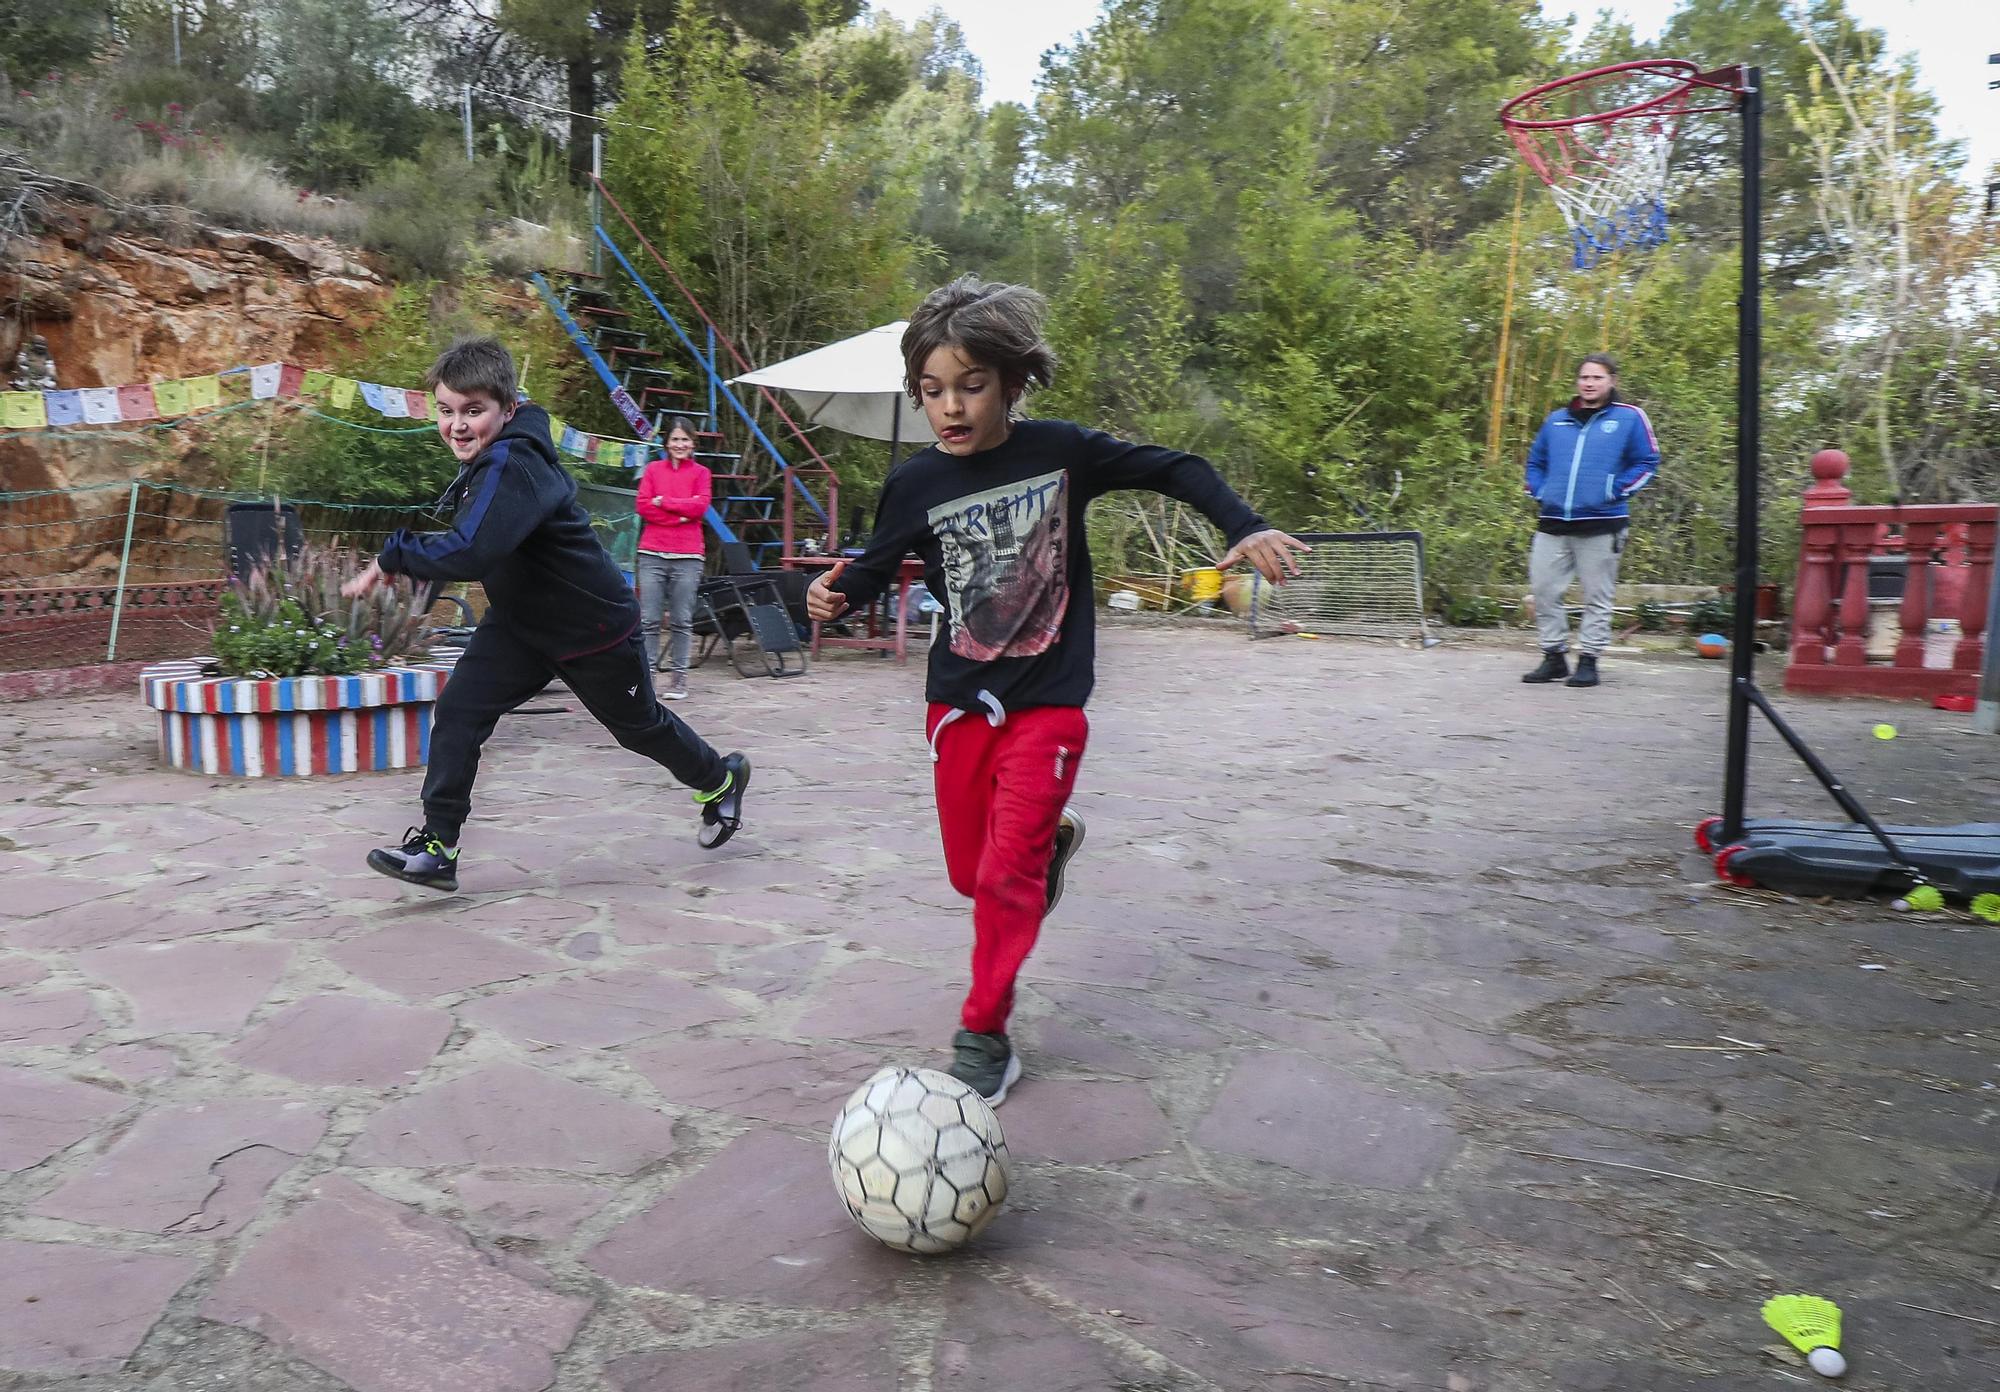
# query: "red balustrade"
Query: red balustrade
1947,550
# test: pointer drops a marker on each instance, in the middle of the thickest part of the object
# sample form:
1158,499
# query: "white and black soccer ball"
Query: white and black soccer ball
919,1160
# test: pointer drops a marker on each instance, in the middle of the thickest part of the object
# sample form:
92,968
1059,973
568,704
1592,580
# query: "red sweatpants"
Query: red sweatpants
1000,792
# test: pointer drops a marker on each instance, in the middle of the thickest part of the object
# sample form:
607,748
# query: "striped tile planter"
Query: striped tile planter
287,727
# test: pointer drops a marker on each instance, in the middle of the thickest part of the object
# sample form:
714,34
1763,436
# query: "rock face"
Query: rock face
119,306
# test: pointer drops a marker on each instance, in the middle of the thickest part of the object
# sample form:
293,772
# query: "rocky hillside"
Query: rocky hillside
120,305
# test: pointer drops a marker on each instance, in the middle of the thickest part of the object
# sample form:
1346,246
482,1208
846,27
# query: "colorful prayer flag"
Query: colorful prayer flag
23,410
591,444
572,439
204,393
100,406
171,398
342,394
135,403
372,394
64,407
556,428
418,404
635,457
290,378
315,382
395,404
264,380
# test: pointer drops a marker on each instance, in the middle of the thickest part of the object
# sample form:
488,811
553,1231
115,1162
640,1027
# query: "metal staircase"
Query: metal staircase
655,369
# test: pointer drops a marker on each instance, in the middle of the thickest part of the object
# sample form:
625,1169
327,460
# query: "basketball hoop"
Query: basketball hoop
1601,141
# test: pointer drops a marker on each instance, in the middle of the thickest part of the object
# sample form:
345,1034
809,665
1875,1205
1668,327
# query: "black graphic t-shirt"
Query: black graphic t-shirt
1002,539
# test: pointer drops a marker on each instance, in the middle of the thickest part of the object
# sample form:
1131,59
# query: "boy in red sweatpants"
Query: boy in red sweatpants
996,510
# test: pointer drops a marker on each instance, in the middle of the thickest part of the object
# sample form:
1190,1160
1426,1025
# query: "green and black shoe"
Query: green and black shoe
722,810
422,859
986,1063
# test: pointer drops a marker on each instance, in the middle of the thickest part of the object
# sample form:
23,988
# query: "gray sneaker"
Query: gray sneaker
986,1063
1069,836
422,859
675,687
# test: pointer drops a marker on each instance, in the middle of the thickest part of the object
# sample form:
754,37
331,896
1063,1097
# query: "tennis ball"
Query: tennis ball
1926,899
1885,732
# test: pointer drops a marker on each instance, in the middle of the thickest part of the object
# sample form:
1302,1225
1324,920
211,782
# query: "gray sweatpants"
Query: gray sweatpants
1552,564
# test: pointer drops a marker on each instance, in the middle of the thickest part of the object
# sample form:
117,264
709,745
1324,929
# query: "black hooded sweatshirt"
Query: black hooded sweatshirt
518,529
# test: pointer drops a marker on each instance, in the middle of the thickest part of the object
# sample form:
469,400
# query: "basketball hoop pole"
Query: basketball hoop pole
1749,353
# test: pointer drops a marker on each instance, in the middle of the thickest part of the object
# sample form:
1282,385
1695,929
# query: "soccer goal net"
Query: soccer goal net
1365,584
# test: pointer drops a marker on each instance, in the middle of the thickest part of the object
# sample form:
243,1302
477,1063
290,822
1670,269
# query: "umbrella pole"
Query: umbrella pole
895,426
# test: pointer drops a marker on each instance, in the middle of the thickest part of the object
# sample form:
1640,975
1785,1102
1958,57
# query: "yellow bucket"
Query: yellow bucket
1204,584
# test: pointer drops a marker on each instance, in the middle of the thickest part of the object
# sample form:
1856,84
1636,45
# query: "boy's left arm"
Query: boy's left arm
1641,459
1193,480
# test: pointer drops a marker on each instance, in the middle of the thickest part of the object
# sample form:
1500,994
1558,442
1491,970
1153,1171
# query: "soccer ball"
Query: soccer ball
918,1159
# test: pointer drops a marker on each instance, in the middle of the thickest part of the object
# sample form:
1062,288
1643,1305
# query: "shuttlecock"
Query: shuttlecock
1986,906
1926,899
1810,1324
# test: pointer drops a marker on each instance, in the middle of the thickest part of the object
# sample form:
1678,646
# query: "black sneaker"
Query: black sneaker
422,859
1069,835
722,810
986,1063
1554,667
1586,671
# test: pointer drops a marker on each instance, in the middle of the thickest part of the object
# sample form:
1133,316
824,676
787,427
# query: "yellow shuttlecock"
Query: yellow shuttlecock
1926,899
1987,906
1810,1324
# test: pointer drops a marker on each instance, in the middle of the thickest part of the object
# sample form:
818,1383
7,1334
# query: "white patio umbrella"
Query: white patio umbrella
855,385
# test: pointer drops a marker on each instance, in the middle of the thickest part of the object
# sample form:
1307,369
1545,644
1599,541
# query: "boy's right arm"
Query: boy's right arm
860,581
499,511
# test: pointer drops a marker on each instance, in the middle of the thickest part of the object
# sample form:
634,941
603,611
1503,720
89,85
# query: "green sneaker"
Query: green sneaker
422,859
1069,836
986,1063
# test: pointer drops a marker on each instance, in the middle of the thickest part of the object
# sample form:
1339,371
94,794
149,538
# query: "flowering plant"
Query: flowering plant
289,619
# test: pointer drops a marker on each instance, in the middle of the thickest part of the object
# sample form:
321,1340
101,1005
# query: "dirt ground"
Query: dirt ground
1392,1035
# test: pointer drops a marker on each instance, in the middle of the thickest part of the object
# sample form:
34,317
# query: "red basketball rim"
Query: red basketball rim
1686,76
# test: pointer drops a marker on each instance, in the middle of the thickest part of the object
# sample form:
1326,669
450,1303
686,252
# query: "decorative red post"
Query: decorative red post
1814,594
1979,541
1857,544
1920,539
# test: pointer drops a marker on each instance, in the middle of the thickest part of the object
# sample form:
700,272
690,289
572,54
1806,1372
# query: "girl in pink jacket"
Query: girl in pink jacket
674,495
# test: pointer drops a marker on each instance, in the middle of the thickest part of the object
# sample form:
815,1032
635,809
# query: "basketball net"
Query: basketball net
1602,141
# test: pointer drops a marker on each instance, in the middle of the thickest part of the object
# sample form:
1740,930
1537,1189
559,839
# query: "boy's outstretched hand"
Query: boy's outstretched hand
364,582
1273,553
822,604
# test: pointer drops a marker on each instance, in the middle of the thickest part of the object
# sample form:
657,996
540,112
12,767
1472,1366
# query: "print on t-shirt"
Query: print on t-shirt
1006,567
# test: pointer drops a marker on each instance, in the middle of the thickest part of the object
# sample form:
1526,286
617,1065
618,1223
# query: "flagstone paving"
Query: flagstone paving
1348,1054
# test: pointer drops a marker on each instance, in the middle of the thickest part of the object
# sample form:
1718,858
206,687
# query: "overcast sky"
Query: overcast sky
1009,39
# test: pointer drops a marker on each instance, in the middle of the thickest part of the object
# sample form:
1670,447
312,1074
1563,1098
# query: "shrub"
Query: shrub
1473,611
1652,617
424,214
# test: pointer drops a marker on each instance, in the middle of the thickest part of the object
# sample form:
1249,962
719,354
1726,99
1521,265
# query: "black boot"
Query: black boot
1586,671
1554,667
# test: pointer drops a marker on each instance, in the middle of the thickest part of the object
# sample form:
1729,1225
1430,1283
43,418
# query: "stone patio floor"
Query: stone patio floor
1341,1054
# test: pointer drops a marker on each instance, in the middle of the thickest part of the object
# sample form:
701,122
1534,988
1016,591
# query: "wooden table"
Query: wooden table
909,575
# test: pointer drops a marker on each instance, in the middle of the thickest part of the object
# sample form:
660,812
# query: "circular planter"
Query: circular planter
291,727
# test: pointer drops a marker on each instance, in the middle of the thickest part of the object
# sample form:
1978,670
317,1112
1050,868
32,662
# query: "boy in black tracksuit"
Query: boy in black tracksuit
557,607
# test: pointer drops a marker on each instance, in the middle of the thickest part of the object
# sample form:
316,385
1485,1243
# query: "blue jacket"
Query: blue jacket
1588,467
518,529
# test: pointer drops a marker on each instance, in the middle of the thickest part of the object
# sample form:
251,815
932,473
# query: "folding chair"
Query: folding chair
744,607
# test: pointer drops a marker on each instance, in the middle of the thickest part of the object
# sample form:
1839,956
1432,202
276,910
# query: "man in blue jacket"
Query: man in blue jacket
557,607
1587,461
